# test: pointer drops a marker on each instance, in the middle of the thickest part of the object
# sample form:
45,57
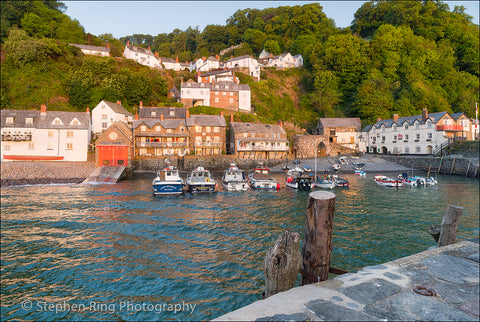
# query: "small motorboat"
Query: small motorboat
260,179
324,183
200,180
410,182
299,178
168,182
360,173
382,180
337,166
340,182
234,179
343,160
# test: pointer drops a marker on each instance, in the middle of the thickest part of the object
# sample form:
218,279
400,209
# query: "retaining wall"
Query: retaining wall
453,165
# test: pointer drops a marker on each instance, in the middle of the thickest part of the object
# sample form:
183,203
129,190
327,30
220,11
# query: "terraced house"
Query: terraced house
418,134
45,135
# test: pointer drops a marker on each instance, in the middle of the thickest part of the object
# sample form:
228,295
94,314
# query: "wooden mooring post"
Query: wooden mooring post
317,247
468,168
447,233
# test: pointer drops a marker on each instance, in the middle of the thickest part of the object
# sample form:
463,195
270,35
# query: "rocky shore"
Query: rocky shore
44,172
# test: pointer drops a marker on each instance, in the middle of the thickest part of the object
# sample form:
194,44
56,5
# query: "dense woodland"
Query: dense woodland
396,57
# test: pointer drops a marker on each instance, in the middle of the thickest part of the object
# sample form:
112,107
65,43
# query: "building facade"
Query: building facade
207,134
93,50
245,62
45,135
258,141
344,131
419,134
141,55
106,113
114,146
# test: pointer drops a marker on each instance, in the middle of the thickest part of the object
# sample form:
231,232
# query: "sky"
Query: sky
124,18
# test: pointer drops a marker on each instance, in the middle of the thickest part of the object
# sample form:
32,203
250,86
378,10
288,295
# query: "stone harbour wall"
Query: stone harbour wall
453,165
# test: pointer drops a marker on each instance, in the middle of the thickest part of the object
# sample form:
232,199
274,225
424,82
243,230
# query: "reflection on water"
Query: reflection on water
104,246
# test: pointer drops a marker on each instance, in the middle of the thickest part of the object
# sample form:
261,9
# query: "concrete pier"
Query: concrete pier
449,276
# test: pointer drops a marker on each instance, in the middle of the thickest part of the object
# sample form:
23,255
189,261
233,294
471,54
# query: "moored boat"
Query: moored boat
234,179
360,173
299,178
168,182
324,183
200,180
260,179
340,182
388,182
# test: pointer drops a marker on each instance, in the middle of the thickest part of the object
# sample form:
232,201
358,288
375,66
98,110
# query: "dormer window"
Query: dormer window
57,121
154,113
9,120
29,120
172,113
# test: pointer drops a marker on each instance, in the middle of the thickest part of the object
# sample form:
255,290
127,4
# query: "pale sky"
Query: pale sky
123,18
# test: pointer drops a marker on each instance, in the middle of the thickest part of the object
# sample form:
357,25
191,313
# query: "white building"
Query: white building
106,113
298,61
206,64
419,134
141,55
93,50
216,76
45,135
169,63
247,62
193,94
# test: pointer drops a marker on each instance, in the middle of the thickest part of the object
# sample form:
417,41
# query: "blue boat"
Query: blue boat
168,182
200,180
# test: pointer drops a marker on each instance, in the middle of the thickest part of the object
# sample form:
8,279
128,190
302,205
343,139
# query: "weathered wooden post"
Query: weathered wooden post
317,247
450,223
282,264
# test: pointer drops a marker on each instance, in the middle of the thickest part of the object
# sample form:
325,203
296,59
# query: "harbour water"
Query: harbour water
90,252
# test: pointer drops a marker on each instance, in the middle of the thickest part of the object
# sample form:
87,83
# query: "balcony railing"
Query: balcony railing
162,144
206,144
17,137
262,148
449,128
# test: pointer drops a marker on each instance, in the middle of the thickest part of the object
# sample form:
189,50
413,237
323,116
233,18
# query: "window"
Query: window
231,93
106,162
429,124
50,134
6,147
29,120
406,126
407,149
417,125
103,106
216,93
169,130
208,129
406,137
9,120
216,129
75,122
383,139
244,135
50,146
104,116
429,136
143,128
57,121
417,136
119,162
418,149
224,93
69,146
154,113
216,100
157,128
231,100
201,92
394,127
69,134
31,146
104,125
198,129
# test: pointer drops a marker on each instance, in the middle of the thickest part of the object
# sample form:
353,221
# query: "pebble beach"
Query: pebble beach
44,172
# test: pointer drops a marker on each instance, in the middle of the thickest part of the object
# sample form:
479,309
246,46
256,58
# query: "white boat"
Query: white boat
324,183
260,179
168,182
388,182
337,166
343,160
234,179
360,173
430,181
299,178
200,180
410,182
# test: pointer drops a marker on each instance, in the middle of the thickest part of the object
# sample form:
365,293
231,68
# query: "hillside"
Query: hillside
397,57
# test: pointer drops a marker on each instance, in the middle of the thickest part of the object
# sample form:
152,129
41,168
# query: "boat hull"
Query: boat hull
167,189
235,186
325,185
201,187
263,184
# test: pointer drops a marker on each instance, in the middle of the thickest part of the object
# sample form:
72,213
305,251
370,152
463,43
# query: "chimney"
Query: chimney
87,110
141,104
128,42
231,118
221,113
187,114
199,80
204,58
280,123
217,57
176,59
108,45
148,47
378,119
136,116
43,109
156,53
119,102
395,117
181,80
424,114
161,117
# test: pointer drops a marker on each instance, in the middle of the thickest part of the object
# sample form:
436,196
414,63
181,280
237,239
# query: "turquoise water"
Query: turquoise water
89,252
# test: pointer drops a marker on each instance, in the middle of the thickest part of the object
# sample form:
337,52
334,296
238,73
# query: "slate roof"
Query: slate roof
95,48
119,127
117,108
141,50
245,127
221,86
167,60
216,72
340,122
206,120
147,112
45,121
410,120
166,123
238,58
174,90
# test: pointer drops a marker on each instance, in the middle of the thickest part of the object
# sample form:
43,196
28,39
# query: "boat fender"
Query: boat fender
207,179
278,186
289,179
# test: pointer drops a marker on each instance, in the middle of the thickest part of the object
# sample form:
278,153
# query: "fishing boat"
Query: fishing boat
360,173
168,182
388,182
234,179
260,179
299,178
337,166
200,180
409,182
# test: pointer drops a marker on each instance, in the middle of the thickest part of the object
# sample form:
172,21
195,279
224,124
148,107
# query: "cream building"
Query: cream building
106,113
